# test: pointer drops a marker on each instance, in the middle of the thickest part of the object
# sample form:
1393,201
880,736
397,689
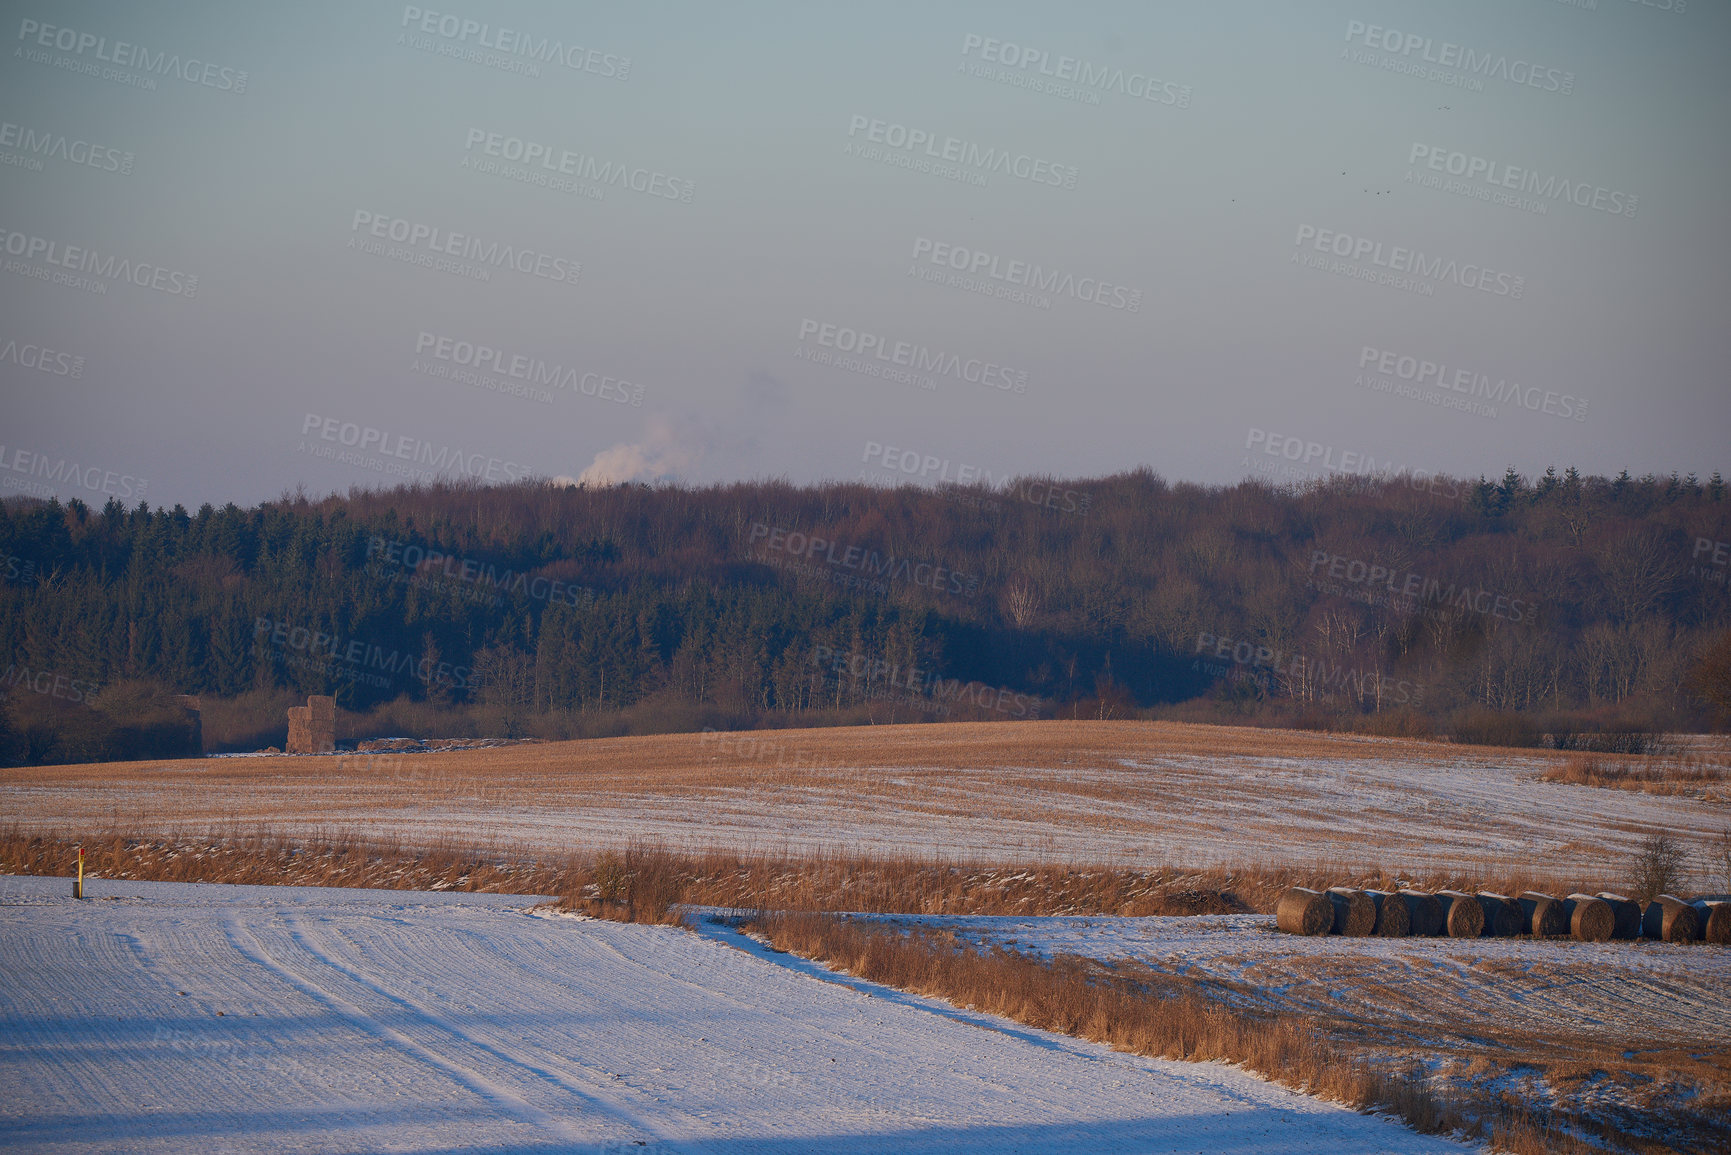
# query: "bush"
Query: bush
127,721
1494,728
1657,867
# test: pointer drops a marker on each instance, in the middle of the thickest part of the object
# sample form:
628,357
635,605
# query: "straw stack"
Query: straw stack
1627,913
1670,919
1462,914
1544,915
1302,911
1590,919
1425,913
1715,917
1354,911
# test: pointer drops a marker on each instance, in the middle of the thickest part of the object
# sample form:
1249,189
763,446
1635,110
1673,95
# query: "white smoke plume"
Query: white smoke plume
660,454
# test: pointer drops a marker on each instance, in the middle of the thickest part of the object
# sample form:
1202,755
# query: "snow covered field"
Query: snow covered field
1137,793
184,1017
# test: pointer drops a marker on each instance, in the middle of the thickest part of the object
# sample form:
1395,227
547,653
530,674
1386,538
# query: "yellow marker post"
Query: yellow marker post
78,887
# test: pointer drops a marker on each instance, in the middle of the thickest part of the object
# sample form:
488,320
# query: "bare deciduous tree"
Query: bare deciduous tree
1657,866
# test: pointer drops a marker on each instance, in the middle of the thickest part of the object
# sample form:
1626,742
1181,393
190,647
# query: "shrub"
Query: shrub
1657,867
1494,728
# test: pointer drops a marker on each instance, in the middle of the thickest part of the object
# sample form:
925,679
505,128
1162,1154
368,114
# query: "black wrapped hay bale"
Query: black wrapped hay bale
1425,913
1354,911
1503,915
1393,920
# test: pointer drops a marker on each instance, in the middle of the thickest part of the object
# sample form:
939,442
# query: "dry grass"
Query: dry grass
1168,1016
1693,777
263,859
641,882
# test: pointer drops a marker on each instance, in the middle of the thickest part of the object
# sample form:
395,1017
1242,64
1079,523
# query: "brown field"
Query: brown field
1132,793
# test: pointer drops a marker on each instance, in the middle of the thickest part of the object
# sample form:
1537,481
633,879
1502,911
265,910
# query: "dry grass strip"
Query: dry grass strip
650,879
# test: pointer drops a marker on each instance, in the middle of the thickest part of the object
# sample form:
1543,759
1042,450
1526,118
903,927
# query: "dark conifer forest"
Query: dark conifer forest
1515,611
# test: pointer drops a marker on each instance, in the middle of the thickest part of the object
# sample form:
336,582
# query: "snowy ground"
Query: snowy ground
177,1017
1626,1030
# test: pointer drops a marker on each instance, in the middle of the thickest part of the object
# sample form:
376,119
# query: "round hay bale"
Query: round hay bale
1302,911
1544,915
1503,915
1715,916
1627,912
1462,914
1670,919
1354,911
1590,919
1425,913
1393,919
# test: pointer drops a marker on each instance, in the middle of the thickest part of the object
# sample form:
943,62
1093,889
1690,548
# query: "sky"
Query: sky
246,250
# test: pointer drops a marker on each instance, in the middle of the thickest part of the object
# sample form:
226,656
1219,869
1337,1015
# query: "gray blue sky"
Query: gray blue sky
782,215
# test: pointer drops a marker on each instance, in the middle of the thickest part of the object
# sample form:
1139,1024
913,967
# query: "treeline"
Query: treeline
1502,609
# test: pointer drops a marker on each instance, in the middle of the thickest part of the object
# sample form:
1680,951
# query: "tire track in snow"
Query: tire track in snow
499,1095
601,1089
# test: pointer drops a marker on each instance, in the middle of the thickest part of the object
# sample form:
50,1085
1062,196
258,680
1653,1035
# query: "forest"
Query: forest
1517,611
